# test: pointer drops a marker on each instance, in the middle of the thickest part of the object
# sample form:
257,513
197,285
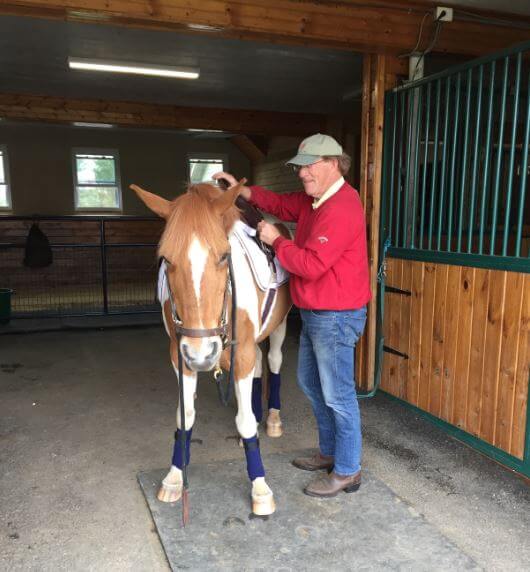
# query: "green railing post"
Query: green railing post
425,163
443,167
486,160
476,158
464,163
509,186
523,176
434,161
497,183
453,164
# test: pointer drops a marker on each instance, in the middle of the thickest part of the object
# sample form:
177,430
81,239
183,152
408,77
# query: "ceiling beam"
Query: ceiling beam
247,146
360,25
130,114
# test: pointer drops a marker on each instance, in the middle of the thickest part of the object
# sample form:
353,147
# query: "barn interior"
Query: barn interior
87,390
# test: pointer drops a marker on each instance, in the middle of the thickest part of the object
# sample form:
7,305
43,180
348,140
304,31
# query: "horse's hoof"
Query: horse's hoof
169,493
274,424
263,505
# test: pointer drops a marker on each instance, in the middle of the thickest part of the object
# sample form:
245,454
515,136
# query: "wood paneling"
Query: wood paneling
385,27
467,334
379,73
124,113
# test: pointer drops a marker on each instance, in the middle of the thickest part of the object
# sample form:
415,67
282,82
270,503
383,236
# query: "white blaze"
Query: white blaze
198,255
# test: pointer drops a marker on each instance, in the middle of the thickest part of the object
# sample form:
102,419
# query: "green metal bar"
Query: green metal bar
435,160
416,168
400,167
525,46
425,162
497,182
523,177
486,160
392,99
407,169
464,163
453,164
443,167
509,186
476,155
495,453
510,263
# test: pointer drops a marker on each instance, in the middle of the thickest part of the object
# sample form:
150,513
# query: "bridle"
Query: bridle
222,331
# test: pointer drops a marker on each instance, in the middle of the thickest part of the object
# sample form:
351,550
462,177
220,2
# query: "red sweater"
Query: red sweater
327,259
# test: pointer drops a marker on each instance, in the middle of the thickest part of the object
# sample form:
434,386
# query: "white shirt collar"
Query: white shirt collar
329,193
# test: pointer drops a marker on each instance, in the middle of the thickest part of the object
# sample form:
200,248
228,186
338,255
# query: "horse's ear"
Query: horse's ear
158,205
228,198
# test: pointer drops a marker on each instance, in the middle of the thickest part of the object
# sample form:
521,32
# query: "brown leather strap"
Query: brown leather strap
200,333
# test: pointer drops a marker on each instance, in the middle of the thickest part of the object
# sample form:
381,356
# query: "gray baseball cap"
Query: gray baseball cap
313,148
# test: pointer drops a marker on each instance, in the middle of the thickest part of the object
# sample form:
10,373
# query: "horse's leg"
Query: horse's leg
262,498
171,488
257,407
275,357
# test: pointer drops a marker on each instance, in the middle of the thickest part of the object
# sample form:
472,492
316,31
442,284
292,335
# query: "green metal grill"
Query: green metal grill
456,166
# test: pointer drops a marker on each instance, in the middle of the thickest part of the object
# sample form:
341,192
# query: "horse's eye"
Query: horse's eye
223,258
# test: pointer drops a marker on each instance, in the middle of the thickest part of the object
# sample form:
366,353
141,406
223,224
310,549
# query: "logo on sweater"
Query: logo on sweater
323,239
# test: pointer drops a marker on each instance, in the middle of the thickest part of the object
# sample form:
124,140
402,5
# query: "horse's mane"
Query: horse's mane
193,214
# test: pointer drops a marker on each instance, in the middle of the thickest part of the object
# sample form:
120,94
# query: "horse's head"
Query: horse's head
195,246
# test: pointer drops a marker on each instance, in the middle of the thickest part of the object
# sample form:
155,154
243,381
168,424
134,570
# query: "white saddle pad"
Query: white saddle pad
266,277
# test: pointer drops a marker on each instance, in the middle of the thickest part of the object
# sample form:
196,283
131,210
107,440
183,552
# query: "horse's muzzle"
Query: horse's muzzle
203,357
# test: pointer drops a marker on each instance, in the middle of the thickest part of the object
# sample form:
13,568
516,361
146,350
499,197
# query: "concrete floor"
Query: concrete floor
82,412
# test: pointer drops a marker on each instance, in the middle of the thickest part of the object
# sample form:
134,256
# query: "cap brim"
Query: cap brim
303,160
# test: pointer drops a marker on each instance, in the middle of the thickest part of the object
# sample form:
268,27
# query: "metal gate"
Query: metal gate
455,197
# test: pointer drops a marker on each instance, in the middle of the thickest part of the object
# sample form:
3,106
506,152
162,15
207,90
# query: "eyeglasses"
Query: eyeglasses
298,168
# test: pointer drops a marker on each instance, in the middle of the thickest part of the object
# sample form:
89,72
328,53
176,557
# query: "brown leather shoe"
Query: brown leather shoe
330,485
314,463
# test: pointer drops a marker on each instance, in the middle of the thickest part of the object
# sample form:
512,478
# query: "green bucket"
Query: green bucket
5,305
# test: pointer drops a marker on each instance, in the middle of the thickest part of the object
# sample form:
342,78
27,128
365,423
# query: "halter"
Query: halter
222,331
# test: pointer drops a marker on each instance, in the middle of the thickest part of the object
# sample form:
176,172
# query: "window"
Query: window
202,167
5,193
97,179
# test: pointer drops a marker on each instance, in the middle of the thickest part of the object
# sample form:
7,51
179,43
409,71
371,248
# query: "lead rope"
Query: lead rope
185,485
225,395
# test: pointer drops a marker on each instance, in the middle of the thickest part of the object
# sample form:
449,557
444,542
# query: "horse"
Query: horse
197,248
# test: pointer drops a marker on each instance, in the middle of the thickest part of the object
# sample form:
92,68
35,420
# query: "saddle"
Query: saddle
251,216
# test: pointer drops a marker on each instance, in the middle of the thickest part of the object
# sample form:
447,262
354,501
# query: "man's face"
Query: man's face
319,176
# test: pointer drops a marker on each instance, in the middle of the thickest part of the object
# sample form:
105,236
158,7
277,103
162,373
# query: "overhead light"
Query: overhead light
192,130
84,124
133,68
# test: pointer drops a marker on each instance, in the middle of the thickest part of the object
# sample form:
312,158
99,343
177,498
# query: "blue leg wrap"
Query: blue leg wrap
274,390
177,449
257,408
254,463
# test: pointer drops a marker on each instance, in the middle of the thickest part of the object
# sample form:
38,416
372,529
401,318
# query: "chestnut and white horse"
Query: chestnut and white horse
195,246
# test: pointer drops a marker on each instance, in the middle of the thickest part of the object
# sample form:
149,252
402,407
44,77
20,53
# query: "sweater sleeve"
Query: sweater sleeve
333,232
286,206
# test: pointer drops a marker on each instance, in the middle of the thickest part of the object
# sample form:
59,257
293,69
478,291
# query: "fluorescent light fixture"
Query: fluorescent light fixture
192,130
132,68
84,124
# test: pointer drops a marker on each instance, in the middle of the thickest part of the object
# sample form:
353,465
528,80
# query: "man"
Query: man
329,282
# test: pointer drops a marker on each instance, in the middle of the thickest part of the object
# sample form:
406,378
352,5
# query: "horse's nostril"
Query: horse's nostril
215,349
185,352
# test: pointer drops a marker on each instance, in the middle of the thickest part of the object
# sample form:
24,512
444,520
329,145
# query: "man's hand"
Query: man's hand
268,233
245,191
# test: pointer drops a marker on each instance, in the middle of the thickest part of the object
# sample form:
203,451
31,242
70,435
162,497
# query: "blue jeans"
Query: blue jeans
326,376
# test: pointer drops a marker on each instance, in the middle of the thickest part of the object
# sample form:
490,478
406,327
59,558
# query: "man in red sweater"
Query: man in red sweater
329,282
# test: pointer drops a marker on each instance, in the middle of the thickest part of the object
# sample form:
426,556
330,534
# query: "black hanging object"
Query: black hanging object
250,216
37,252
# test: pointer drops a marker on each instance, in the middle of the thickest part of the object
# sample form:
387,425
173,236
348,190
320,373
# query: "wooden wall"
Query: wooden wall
467,334
380,73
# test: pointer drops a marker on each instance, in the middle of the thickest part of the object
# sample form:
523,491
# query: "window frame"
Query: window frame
96,151
5,157
206,157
